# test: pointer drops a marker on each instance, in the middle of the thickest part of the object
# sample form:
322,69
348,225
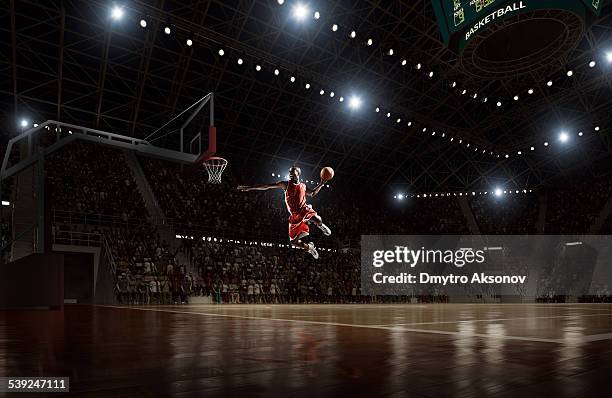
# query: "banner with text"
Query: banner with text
523,265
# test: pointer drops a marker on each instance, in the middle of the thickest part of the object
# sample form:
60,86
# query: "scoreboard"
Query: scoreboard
460,19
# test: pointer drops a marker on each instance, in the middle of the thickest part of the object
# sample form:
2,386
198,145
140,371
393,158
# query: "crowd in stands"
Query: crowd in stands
505,215
89,178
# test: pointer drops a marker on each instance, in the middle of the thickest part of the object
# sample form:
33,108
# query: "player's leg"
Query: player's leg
310,247
318,221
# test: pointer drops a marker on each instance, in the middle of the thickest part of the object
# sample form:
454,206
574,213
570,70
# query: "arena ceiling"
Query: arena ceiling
70,61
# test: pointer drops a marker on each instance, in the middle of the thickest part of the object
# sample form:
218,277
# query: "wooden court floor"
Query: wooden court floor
437,350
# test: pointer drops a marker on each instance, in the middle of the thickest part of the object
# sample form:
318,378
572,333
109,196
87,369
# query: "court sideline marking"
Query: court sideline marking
574,340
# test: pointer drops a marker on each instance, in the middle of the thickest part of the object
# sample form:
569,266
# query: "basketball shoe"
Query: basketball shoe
325,229
312,250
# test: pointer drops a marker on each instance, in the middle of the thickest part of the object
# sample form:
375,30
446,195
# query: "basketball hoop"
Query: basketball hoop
215,167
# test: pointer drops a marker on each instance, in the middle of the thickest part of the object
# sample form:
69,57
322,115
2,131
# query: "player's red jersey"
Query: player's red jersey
295,197
301,213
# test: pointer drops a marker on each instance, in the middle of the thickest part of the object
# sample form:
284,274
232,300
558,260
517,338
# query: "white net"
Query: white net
215,167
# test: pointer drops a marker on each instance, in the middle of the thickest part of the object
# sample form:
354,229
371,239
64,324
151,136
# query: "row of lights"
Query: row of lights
569,73
301,12
246,242
306,181
496,192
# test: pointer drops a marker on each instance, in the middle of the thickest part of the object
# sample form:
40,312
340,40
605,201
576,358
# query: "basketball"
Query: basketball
327,173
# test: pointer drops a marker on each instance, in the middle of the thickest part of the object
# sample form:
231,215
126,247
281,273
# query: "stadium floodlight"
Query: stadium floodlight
292,79
400,196
258,68
189,42
596,128
117,13
570,73
546,143
499,103
300,11
24,123
431,74
167,30
418,66
322,92
580,134
334,27
307,86
530,91
353,34
143,23
609,56
280,2
550,83
240,61
317,15
516,97
592,64
355,102
369,42
563,137
341,99
221,52
276,72
331,94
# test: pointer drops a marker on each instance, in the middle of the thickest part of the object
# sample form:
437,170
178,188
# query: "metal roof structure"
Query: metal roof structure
68,60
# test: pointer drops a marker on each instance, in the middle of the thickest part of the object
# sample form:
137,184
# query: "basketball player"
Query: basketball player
302,214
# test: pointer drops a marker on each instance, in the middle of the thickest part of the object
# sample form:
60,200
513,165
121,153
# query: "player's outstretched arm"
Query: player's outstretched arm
314,192
262,187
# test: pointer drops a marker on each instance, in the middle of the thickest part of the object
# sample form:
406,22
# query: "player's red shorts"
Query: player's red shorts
298,222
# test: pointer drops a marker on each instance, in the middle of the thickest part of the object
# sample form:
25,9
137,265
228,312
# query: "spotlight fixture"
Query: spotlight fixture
317,15
532,148
377,109
167,30
307,86
499,103
550,83
580,134
322,92
609,56
516,97
117,13
570,73
369,42
240,61
596,128
292,79
143,23
300,11
388,114
280,2
276,72
221,52
530,91
334,28
24,123
189,42
546,143
592,64
398,120
563,137
341,99
353,34
390,51
331,94
418,66
355,102
404,62
258,68
431,74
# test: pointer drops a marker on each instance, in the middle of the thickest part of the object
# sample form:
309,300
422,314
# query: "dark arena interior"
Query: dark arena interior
306,198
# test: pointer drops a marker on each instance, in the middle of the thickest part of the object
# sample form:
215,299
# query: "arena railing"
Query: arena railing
105,220
77,238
